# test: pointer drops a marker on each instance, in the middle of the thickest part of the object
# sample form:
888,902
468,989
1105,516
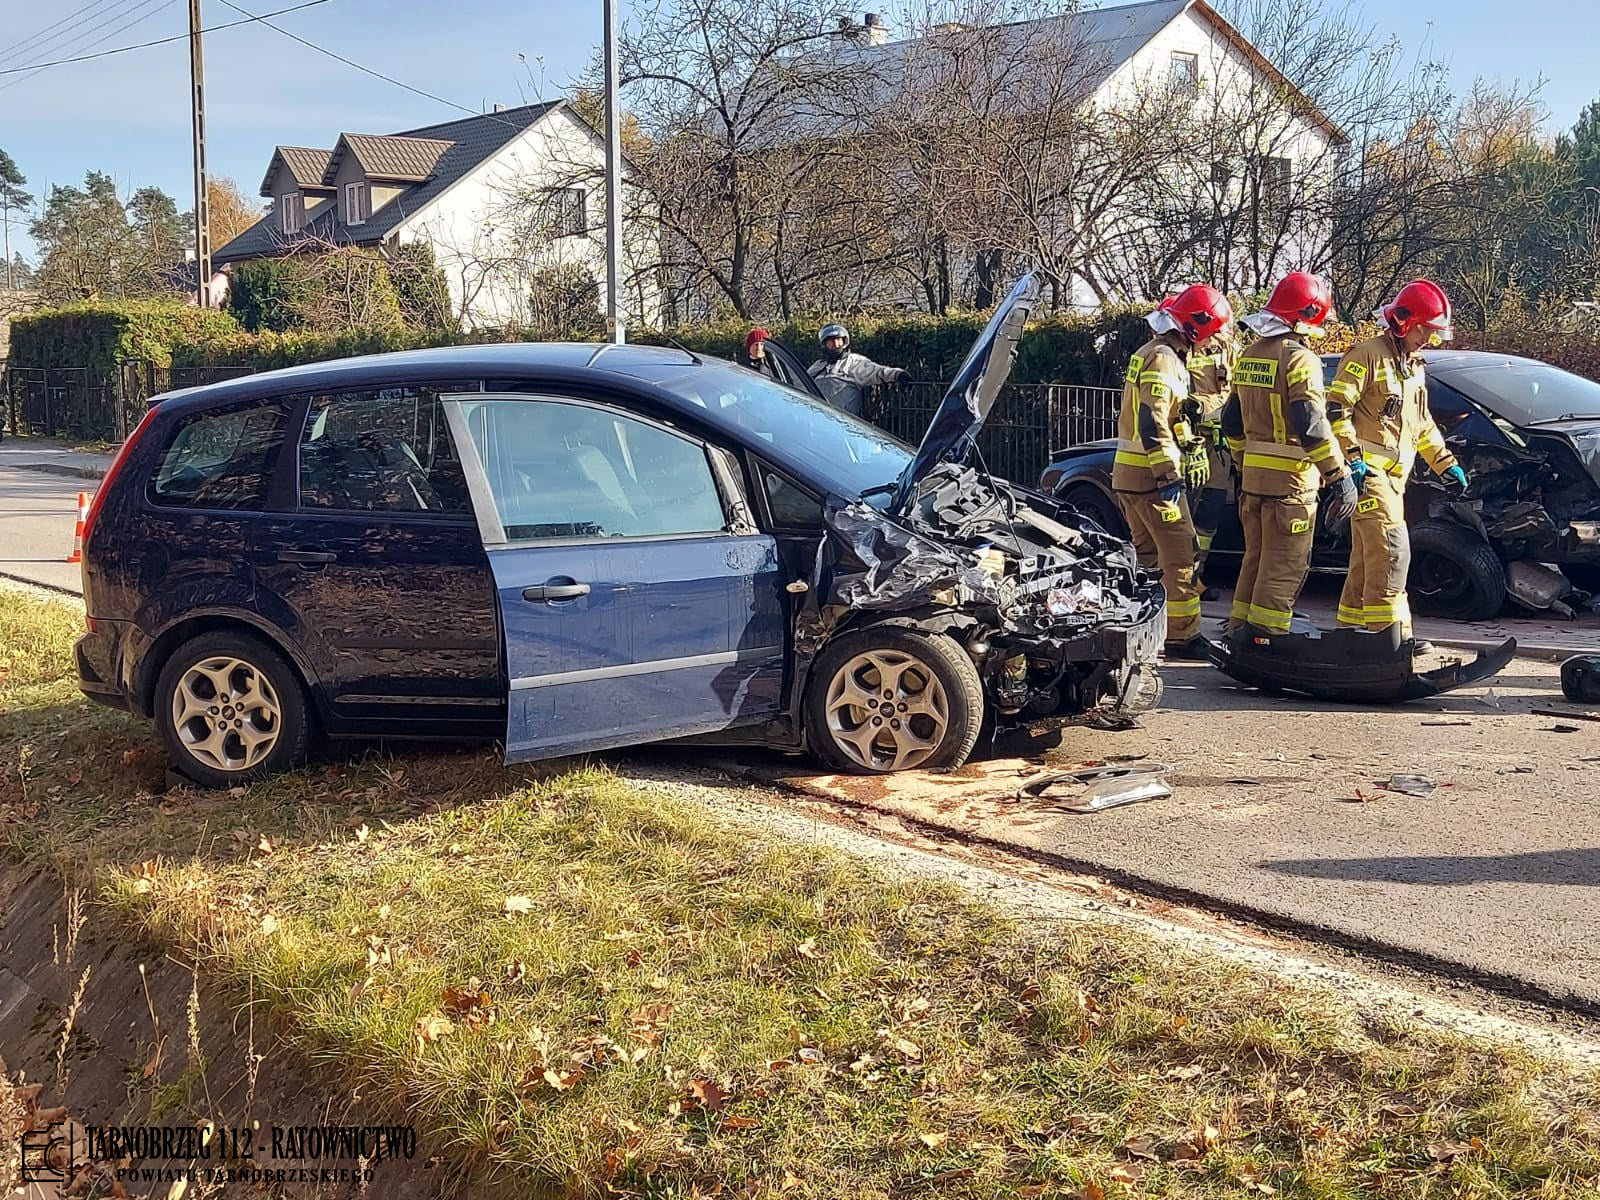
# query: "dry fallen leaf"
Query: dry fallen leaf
1127,1173
563,1080
904,1048
362,832
265,844
269,924
516,971
1093,1191
432,1028
518,904
739,1122
1299,1093
790,1180
933,1140
1192,1071
154,1065
708,1094
1142,1147
808,948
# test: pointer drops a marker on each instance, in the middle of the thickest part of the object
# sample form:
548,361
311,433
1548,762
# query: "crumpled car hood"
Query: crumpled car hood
1017,561
966,405
1584,434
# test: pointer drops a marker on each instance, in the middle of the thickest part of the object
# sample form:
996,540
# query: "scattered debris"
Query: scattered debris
1567,714
1103,787
1561,728
1411,785
1490,699
1447,721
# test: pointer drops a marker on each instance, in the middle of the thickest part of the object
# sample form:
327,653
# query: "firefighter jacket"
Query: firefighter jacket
1154,389
1276,422
1210,378
1378,404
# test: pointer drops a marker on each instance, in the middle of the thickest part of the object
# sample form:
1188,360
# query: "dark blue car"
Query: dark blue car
574,547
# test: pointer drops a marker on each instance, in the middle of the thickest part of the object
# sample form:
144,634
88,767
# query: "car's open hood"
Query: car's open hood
961,414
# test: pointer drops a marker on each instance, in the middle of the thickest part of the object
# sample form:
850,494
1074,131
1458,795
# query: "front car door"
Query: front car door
638,603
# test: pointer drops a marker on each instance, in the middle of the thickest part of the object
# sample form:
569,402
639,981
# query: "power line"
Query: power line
364,70
77,37
81,40
29,43
177,37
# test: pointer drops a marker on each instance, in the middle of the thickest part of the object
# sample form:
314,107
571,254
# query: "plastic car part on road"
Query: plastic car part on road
1347,664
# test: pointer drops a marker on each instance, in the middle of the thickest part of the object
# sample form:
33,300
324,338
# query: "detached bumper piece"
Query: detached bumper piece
1346,665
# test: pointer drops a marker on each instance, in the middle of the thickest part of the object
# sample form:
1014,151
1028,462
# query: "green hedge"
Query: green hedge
98,336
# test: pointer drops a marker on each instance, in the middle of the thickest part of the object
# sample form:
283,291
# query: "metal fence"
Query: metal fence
62,402
1029,422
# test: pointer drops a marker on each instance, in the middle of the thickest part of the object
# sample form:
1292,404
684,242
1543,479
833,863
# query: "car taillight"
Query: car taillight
111,473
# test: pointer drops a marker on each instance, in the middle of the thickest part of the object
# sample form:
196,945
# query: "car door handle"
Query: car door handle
547,592
307,556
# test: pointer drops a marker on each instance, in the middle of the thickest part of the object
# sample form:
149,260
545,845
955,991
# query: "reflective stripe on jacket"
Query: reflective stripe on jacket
1378,401
1155,386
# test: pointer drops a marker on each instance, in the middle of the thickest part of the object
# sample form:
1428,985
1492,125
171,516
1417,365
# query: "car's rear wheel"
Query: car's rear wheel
1454,573
231,710
1097,506
893,698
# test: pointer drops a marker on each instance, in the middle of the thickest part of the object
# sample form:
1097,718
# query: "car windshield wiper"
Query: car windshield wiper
1567,417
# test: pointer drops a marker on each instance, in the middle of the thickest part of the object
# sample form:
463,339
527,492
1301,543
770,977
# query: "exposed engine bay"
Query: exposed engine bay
1057,616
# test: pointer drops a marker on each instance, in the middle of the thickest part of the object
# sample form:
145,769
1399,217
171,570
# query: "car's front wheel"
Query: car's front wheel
892,697
231,709
1454,573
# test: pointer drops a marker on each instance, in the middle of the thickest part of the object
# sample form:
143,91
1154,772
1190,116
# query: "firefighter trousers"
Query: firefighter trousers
1380,558
1163,535
1212,503
1278,531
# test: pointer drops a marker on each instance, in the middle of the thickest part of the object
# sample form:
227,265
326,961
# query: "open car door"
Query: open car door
637,603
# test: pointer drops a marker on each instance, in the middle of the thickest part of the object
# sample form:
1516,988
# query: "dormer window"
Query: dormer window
291,212
357,207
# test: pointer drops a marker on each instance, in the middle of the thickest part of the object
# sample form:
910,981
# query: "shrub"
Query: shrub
267,294
338,291
96,336
420,285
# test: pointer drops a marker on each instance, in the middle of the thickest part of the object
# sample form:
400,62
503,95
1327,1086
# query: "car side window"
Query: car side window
385,450
563,470
791,507
222,459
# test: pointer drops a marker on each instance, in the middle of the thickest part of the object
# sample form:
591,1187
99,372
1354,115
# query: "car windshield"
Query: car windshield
1529,393
846,454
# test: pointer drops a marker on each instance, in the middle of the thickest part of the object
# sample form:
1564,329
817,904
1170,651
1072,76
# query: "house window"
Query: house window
355,203
292,212
1220,178
566,212
1185,73
1274,178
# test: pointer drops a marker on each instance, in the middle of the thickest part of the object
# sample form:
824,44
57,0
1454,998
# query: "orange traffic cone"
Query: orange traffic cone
77,534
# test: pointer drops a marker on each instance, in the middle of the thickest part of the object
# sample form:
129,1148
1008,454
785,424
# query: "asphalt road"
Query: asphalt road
38,510
1278,809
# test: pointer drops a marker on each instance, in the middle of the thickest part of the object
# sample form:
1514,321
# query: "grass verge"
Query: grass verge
575,986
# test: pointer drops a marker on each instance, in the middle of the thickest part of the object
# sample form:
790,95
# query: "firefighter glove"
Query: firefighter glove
1196,466
1359,470
1171,491
1341,499
1455,476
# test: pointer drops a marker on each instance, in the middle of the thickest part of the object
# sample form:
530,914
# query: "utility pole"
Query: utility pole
202,216
613,181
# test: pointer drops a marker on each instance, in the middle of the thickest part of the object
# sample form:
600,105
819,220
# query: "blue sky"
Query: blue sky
128,114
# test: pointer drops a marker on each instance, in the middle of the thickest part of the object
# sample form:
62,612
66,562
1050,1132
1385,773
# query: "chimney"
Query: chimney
499,107
874,31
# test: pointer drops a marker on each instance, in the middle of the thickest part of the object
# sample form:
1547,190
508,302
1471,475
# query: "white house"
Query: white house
502,198
1269,136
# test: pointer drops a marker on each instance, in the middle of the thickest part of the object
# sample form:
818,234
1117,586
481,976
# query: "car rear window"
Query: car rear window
222,459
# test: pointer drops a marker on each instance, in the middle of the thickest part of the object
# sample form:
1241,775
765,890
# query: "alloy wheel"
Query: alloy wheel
226,713
886,710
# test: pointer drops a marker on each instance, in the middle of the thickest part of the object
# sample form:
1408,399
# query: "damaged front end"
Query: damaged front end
1348,665
1057,617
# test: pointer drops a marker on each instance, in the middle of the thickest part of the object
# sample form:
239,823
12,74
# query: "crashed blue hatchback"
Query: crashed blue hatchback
573,548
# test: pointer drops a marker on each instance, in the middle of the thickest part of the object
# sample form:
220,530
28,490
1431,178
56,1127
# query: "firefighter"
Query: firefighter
1148,474
1378,403
1208,468
1277,428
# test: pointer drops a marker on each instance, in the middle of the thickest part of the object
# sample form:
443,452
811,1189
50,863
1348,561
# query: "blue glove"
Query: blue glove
1170,492
1359,470
1456,477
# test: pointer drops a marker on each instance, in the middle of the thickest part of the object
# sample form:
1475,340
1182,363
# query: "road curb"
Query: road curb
54,588
61,469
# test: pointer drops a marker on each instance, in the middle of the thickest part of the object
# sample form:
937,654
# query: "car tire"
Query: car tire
1454,573
256,691
935,713
1097,506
